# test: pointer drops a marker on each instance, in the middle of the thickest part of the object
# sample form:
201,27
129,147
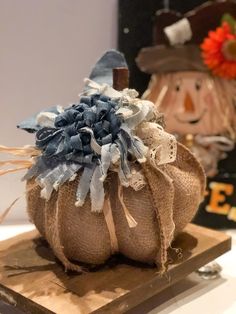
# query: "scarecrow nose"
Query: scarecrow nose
188,103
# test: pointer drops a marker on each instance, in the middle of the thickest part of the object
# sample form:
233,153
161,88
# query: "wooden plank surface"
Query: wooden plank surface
29,271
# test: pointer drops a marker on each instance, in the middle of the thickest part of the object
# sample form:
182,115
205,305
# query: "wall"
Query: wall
47,47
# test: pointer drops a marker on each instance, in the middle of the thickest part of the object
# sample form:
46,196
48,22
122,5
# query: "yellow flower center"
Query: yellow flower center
229,50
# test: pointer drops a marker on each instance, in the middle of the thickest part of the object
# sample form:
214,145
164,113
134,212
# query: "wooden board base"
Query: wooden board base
34,282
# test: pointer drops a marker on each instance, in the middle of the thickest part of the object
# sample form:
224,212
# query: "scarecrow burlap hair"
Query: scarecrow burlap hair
107,178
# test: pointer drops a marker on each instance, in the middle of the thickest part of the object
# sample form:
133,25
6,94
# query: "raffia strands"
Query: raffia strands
20,164
25,151
7,210
3,172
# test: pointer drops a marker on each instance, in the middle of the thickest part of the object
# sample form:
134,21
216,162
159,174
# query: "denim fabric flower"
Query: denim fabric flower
80,131
89,137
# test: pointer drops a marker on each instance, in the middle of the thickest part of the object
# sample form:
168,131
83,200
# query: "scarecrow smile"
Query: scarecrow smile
191,121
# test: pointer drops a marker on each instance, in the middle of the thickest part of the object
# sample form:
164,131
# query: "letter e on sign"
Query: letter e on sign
219,191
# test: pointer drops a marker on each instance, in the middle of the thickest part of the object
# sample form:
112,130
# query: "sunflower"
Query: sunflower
219,51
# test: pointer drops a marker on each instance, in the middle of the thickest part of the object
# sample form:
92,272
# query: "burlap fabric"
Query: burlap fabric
161,209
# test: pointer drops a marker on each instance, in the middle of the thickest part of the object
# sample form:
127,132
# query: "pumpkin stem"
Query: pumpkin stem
120,78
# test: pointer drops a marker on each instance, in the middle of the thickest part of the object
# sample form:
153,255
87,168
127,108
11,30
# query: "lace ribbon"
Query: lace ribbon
162,145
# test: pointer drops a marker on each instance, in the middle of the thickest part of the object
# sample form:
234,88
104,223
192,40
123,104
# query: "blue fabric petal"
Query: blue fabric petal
102,72
30,125
68,172
39,167
97,193
105,160
124,170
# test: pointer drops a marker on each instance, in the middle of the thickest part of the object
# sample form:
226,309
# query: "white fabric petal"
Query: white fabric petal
105,161
97,191
83,187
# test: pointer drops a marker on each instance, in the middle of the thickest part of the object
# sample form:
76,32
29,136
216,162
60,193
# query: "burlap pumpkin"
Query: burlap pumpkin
143,186
161,209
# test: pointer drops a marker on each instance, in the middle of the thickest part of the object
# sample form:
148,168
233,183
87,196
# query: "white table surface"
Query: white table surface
189,296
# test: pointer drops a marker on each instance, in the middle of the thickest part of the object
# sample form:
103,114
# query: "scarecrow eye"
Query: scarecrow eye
198,85
177,86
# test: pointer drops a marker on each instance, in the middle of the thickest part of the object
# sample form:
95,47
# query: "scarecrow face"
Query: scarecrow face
190,103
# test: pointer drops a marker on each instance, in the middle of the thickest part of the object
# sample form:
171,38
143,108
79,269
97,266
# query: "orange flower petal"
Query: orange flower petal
212,52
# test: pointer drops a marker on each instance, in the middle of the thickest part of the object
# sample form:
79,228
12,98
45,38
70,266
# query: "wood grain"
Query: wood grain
30,275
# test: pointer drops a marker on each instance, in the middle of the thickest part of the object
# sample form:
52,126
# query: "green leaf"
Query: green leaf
230,20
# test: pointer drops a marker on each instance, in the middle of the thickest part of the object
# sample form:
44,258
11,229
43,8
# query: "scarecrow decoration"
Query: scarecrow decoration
193,68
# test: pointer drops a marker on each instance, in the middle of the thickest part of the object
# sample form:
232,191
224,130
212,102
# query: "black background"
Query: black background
138,17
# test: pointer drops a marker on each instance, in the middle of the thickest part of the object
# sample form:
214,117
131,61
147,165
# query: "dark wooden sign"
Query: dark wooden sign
219,207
